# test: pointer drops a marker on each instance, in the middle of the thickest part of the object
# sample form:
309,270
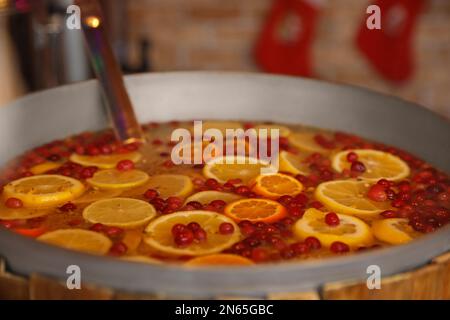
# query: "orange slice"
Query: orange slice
159,233
293,163
349,197
393,231
105,161
351,231
44,167
220,259
120,212
79,240
245,168
206,197
379,164
44,190
255,210
115,179
276,185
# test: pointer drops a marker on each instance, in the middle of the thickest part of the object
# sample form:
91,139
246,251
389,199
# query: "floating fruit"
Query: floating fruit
206,197
306,142
255,210
393,231
273,186
293,163
115,179
221,259
105,161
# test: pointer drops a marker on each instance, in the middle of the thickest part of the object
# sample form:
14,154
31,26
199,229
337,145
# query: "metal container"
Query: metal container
67,110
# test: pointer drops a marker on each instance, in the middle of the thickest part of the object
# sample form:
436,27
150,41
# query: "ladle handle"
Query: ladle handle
107,70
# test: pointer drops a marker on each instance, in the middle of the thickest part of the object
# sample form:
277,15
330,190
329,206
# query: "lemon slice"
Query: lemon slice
22,213
93,194
283,130
305,142
44,190
351,231
245,168
79,240
159,233
349,197
273,186
120,212
293,163
393,231
105,161
114,179
379,164
167,185
206,197
44,167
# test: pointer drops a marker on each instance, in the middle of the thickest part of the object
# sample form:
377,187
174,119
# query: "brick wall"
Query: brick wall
220,34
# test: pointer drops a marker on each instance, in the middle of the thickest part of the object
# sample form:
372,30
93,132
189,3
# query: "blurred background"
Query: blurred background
329,40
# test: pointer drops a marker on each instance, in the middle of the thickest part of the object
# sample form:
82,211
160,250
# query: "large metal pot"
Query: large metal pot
56,113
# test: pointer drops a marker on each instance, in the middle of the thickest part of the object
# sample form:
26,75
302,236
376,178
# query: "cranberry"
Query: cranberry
390,194
301,199
184,238
193,226
404,186
157,142
252,242
88,172
300,248
177,228
296,212
388,214
443,196
332,219
197,205
316,204
384,183
151,194
14,203
200,235
339,247
397,203
226,228
125,165
352,156
287,221
114,231
277,243
242,190
313,243
259,255
285,200
68,207
175,200
159,204
93,150
219,204
97,227
75,222
105,149
358,167
248,230
211,183
118,249
377,193
287,253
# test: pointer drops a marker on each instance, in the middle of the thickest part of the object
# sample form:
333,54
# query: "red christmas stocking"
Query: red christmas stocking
389,49
285,42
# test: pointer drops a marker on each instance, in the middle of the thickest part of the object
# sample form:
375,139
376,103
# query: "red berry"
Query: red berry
226,228
316,204
197,205
388,214
358,167
384,183
14,203
285,200
97,227
296,212
118,249
300,248
339,247
125,165
68,207
259,255
177,228
242,190
332,219
151,194
75,222
184,238
193,226
200,235
211,183
377,193
219,204
313,243
114,231
352,157
248,230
